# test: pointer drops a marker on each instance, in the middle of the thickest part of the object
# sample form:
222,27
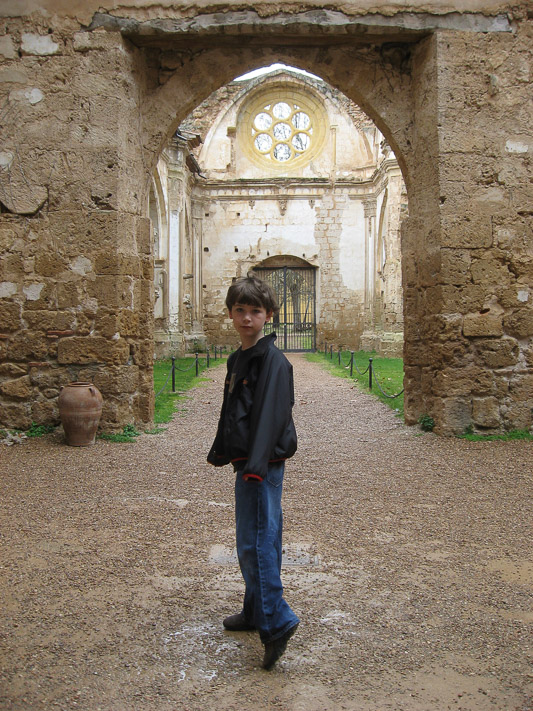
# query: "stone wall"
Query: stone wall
90,100
76,299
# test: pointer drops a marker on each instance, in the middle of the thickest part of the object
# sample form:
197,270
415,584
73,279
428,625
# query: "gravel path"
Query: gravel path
408,559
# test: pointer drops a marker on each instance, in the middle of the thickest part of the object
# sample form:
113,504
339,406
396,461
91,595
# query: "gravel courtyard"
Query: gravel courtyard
407,557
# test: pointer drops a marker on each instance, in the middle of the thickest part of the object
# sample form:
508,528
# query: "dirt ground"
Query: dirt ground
407,557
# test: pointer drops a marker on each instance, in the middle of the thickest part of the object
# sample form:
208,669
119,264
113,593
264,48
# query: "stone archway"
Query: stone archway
79,273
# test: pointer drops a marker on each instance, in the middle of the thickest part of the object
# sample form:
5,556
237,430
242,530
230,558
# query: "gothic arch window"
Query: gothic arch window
282,126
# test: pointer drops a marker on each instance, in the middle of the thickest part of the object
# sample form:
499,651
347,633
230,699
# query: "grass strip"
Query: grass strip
388,372
167,403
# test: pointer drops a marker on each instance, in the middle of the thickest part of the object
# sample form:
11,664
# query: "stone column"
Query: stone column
370,205
467,242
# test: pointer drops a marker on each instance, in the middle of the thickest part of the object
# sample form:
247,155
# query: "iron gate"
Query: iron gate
295,324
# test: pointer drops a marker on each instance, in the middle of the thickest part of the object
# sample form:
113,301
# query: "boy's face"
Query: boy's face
248,321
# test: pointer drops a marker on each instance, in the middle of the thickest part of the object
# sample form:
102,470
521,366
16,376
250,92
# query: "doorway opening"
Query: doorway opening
295,323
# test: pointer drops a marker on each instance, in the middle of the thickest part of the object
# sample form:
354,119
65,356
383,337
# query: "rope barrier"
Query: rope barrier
197,362
370,369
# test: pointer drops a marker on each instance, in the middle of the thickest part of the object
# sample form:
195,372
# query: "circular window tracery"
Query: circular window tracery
283,125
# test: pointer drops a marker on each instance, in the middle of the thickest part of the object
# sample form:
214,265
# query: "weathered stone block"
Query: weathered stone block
472,231
452,415
463,299
498,353
455,267
112,291
48,320
482,324
448,382
7,47
92,349
106,324
11,267
490,271
67,295
45,412
50,265
143,354
117,264
520,323
486,412
40,296
27,346
517,416
128,323
17,415
10,314
11,370
19,389
45,377
143,235
145,406
118,380
39,45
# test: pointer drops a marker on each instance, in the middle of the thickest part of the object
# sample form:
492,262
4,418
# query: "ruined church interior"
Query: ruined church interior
279,173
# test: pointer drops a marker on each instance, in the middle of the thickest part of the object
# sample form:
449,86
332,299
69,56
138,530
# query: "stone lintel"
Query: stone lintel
313,27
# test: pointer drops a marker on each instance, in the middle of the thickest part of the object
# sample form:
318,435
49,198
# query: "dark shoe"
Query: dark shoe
237,623
274,649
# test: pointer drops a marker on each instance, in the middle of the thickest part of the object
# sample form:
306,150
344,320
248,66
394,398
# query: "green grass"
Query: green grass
388,372
128,434
168,403
39,430
507,437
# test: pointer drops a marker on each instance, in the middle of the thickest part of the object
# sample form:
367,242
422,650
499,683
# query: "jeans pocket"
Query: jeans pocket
275,474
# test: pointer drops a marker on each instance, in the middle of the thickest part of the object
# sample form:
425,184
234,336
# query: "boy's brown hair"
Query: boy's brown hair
252,291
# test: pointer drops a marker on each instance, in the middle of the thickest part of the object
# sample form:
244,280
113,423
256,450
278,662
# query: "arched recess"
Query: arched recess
394,88
294,282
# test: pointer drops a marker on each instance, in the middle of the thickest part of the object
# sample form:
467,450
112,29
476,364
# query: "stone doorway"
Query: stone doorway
295,324
76,287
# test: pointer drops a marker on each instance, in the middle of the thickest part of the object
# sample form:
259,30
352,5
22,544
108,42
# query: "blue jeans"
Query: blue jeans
259,525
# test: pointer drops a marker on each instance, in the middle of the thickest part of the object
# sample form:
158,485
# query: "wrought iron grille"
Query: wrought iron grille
295,324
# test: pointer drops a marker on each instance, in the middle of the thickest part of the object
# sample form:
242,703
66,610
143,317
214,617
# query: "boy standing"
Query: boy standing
256,434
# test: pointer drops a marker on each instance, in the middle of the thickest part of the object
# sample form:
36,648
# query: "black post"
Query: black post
197,365
331,352
339,356
207,357
173,374
370,373
351,364
325,348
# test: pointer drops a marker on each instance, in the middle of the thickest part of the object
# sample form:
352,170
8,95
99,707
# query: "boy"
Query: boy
256,434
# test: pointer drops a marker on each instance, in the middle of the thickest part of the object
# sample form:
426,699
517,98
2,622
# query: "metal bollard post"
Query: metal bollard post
173,374
370,373
339,354
331,352
351,364
197,365
207,358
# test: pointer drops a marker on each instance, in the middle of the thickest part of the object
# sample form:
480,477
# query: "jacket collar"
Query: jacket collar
263,344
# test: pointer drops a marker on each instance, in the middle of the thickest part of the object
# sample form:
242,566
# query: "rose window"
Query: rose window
283,126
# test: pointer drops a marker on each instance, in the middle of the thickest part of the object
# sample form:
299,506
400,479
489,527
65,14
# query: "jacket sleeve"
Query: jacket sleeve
217,455
271,414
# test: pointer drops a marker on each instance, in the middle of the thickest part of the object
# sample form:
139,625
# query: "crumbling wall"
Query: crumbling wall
76,271
88,109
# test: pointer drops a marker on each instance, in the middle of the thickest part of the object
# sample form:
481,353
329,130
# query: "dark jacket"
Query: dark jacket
255,424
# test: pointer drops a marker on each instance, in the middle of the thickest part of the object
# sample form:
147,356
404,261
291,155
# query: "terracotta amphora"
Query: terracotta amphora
80,408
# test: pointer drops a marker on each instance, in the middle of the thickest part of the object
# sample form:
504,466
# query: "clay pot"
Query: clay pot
80,408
